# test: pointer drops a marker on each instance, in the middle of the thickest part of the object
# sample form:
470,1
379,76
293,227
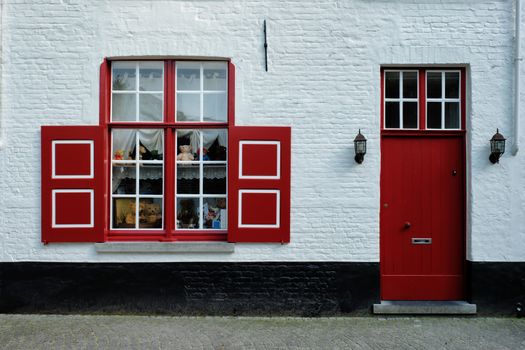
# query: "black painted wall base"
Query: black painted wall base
304,289
283,288
497,287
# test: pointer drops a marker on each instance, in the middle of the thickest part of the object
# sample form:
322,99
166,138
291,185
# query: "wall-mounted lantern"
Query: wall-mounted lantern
497,147
359,147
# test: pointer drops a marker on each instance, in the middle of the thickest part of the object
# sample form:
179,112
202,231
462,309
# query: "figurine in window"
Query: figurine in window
185,153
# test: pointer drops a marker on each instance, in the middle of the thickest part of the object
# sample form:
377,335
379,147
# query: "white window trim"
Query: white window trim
277,209
137,92
443,99
137,196
92,209
260,177
73,142
400,99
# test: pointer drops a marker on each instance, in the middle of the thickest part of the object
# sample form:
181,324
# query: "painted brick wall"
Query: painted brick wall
323,80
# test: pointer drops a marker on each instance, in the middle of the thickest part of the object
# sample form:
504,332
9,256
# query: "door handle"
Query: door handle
421,240
408,225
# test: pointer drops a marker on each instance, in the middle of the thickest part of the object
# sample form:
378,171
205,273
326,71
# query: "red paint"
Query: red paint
231,94
73,208
72,159
253,211
418,187
67,206
259,160
266,207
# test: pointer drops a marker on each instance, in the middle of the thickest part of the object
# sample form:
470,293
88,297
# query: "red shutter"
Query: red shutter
259,184
72,184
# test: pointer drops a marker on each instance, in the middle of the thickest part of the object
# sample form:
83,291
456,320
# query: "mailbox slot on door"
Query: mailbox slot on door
421,240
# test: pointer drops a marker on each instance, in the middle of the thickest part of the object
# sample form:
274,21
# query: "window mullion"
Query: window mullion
137,180
201,181
202,93
443,100
137,92
401,99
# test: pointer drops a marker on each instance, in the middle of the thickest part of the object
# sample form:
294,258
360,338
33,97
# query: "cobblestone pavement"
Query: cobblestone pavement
162,332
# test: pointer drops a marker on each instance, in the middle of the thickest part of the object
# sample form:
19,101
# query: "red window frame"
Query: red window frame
422,101
170,125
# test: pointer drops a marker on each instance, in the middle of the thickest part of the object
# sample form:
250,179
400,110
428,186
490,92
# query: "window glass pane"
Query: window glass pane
124,179
392,84
451,115
188,179
434,115
215,76
410,84
124,212
215,107
150,178
124,144
188,213
123,107
215,144
214,181
151,144
150,213
434,84
409,115
124,76
215,213
392,115
188,76
188,107
188,144
452,84
151,78
150,108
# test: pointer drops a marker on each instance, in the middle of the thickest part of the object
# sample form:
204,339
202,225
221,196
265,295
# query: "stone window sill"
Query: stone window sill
165,247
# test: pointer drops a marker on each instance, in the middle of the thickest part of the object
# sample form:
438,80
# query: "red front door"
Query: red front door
422,217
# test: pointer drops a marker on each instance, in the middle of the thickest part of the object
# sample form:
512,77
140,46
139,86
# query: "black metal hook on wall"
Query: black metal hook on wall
265,49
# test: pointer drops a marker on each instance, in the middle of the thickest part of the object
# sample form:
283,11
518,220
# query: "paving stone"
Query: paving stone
162,332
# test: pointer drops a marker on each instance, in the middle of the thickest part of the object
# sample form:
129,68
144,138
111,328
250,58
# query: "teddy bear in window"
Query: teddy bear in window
185,153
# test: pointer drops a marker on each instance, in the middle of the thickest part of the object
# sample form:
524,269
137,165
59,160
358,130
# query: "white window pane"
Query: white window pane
452,84
188,76
124,179
214,213
188,107
434,85
124,144
123,107
151,76
150,213
215,107
392,84
188,213
215,74
451,115
150,107
215,144
124,76
151,144
124,212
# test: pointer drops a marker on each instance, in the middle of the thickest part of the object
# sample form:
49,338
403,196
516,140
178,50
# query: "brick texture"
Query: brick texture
323,80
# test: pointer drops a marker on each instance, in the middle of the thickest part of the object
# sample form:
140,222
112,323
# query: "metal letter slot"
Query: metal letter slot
421,240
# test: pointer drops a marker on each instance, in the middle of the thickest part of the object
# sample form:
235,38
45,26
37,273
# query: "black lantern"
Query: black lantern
497,147
360,147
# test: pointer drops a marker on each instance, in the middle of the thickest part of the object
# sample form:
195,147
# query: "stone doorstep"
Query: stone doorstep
392,307
165,247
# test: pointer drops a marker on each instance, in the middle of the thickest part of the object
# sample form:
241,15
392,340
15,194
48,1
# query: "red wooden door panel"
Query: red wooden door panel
72,184
422,215
259,184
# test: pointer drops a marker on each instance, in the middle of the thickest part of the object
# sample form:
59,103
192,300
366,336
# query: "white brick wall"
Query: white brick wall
323,80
